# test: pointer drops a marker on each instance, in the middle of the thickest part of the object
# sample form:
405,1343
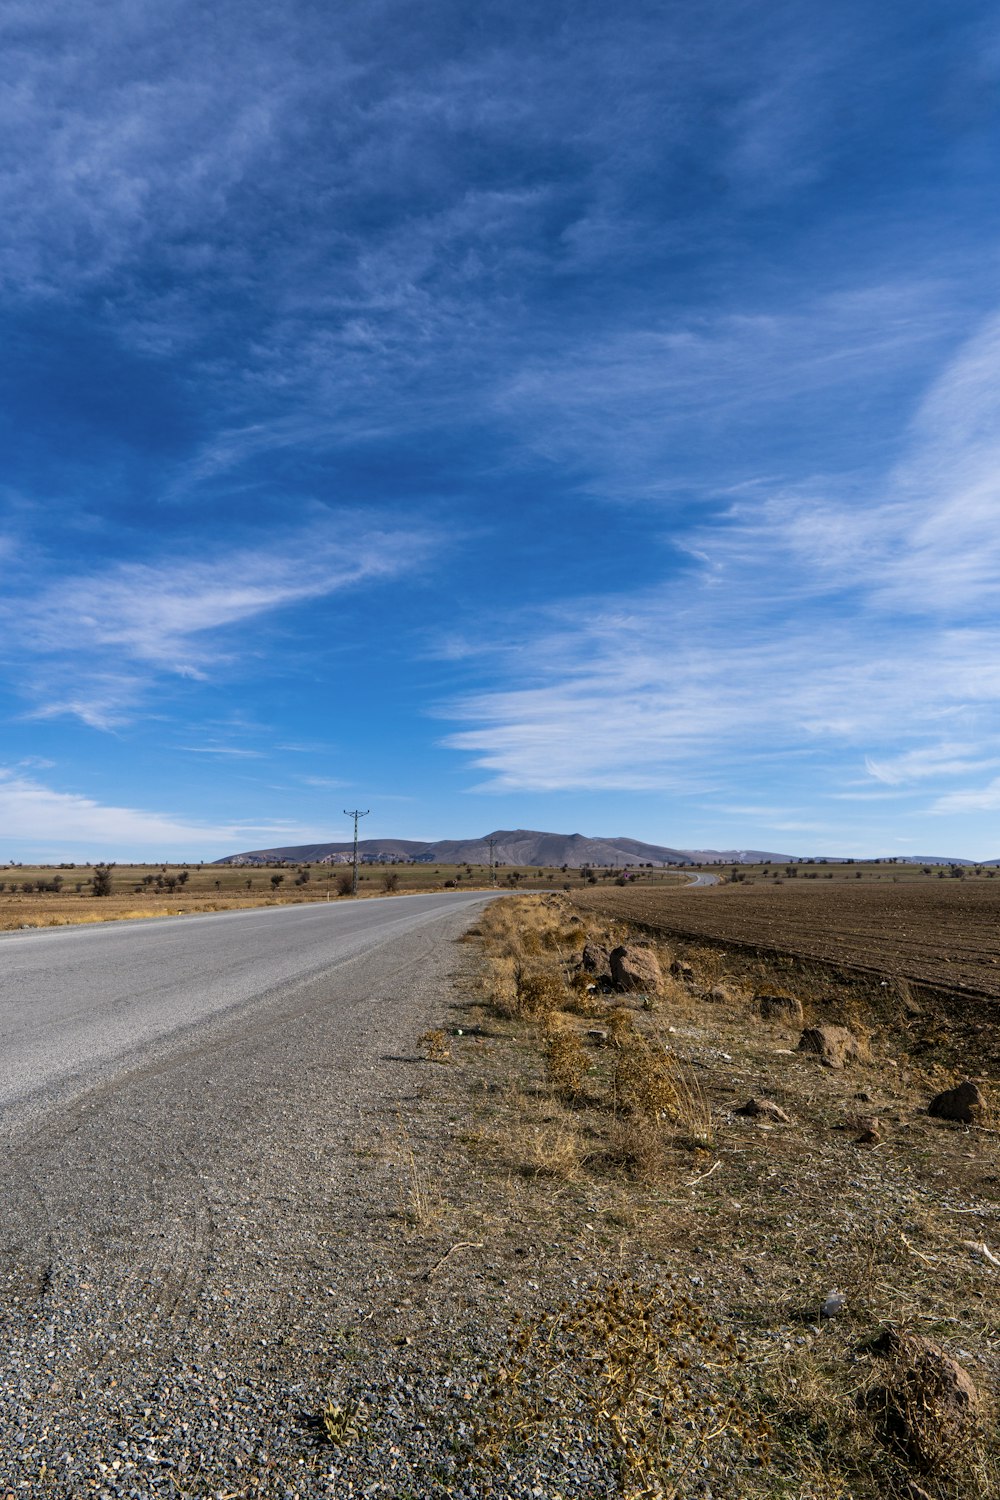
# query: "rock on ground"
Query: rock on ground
764,1109
780,1008
966,1103
635,968
835,1046
594,959
929,1403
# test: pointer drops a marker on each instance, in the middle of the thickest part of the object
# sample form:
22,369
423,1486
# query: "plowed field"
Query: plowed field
944,932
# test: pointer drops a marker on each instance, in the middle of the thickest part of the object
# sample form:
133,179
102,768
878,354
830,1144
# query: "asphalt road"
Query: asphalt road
78,1002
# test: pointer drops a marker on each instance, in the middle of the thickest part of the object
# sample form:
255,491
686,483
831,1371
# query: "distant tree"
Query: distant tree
276,881
101,880
390,881
183,877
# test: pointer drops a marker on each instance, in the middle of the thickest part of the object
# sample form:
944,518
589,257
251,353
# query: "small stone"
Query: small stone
596,1035
966,1104
835,1046
764,1109
834,1304
787,1008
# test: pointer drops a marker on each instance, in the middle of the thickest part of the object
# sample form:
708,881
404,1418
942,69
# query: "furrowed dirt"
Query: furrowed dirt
945,933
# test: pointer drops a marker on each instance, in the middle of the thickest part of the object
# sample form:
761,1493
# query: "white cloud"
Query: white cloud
176,615
928,762
971,800
34,812
819,623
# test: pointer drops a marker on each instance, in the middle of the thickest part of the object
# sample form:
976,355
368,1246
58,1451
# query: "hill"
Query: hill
519,846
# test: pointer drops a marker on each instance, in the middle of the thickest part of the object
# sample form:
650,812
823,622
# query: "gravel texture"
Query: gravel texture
194,1248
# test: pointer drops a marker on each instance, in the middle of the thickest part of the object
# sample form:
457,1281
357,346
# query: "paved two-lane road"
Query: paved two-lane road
76,1001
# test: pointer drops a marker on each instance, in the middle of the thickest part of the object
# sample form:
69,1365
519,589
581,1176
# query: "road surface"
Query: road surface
203,1158
77,1002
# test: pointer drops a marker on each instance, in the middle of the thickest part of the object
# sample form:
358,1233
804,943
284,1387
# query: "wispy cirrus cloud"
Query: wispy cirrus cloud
181,615
825,622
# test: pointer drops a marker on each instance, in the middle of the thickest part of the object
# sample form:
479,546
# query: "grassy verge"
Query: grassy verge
727,1303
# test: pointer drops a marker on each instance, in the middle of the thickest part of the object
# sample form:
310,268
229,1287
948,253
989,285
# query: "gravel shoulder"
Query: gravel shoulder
186,1244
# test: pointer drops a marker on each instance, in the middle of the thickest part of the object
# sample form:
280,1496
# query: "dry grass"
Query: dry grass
419,1201
435,1046
779,1215
642,1373
567,1063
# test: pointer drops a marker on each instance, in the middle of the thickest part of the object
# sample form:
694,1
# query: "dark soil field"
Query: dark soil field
944,933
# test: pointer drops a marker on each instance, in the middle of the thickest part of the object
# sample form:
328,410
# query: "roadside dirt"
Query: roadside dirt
293,1264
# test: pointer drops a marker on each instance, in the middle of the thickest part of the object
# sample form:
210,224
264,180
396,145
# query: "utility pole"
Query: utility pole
493,868
356,814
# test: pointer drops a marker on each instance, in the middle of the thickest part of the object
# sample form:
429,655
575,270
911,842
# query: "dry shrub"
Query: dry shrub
620,1026
500,982
645,1079
573,937
638,1143
566,1062
639,1379
434,1045
652,1082
539,991
551,1150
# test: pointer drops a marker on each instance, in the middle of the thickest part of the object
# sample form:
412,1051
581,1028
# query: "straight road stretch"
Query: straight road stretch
76,1001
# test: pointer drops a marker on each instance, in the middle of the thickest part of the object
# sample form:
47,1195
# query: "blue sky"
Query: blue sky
549,416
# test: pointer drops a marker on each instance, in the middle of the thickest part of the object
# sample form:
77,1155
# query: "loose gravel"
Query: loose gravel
199,1253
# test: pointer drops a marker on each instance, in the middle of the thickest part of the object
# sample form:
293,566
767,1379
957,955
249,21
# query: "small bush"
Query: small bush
434,1045
645,1080
345,884
566,1062
539,991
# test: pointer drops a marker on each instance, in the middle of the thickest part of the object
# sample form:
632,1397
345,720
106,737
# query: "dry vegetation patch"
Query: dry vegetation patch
801,1229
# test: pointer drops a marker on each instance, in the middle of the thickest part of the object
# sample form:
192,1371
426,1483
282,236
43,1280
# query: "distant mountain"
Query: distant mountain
519,846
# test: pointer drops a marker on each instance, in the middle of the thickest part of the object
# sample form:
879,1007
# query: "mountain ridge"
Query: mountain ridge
512,846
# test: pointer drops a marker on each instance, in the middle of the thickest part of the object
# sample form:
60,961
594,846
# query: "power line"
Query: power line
356,814
493,868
